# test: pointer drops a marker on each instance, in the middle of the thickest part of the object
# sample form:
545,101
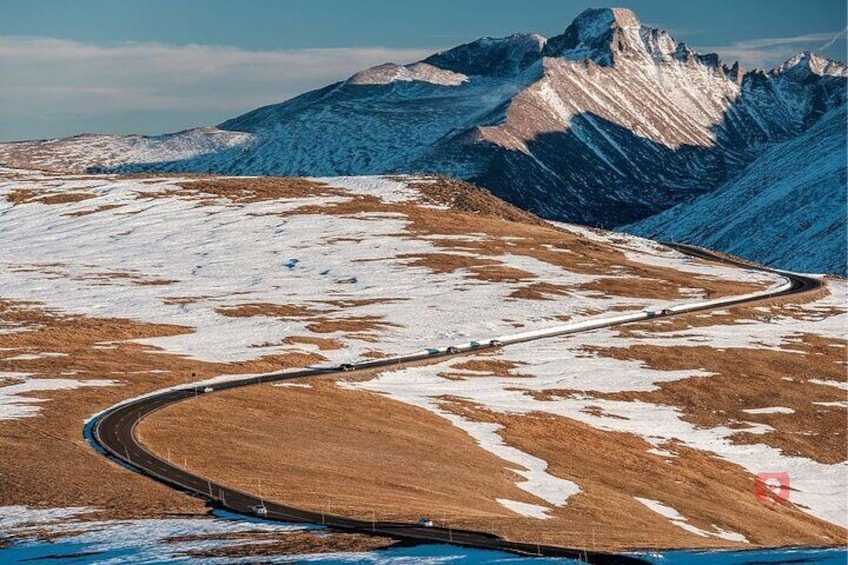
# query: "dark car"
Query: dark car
452,350
495,343
346,367
666,312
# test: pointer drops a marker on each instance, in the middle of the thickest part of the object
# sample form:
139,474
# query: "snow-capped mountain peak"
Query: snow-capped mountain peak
807,62
610,35
600,35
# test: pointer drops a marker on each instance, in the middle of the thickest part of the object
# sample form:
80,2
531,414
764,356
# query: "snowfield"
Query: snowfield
15,402
145,254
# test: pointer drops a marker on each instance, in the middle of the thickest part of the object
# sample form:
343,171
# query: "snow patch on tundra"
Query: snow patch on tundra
524,509
14,402
681,521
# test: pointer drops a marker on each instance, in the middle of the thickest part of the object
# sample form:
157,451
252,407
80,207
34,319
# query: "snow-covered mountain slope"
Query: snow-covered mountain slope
90,152
606,124
629,123
787,209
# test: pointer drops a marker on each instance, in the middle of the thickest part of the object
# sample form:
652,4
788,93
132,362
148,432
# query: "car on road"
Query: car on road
666,312
208,389
496,343
452,350
346,367
650,313
259,510
426,522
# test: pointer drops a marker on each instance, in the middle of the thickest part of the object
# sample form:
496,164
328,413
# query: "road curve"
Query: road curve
113,433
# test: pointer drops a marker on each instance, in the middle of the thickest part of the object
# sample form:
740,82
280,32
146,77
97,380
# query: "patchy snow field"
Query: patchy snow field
137,249
14,387
155,251
568,367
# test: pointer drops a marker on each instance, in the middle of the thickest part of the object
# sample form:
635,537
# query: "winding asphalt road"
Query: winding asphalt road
113,433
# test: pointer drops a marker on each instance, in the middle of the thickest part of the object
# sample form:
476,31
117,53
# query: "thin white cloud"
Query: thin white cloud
779,41
45,77
836,37
769,52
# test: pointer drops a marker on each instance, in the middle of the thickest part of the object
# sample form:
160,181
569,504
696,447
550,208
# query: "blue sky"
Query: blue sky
151,66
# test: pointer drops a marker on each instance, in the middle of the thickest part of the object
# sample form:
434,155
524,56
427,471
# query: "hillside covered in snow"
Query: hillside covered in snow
787,209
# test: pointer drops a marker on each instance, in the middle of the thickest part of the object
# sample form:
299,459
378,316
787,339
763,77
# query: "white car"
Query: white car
260,510
208,389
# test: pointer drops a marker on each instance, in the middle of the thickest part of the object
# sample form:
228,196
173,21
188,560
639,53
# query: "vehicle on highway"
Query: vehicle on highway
260,510
650,313
346,367
208,389
452,350
496,343
426,522
666,312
